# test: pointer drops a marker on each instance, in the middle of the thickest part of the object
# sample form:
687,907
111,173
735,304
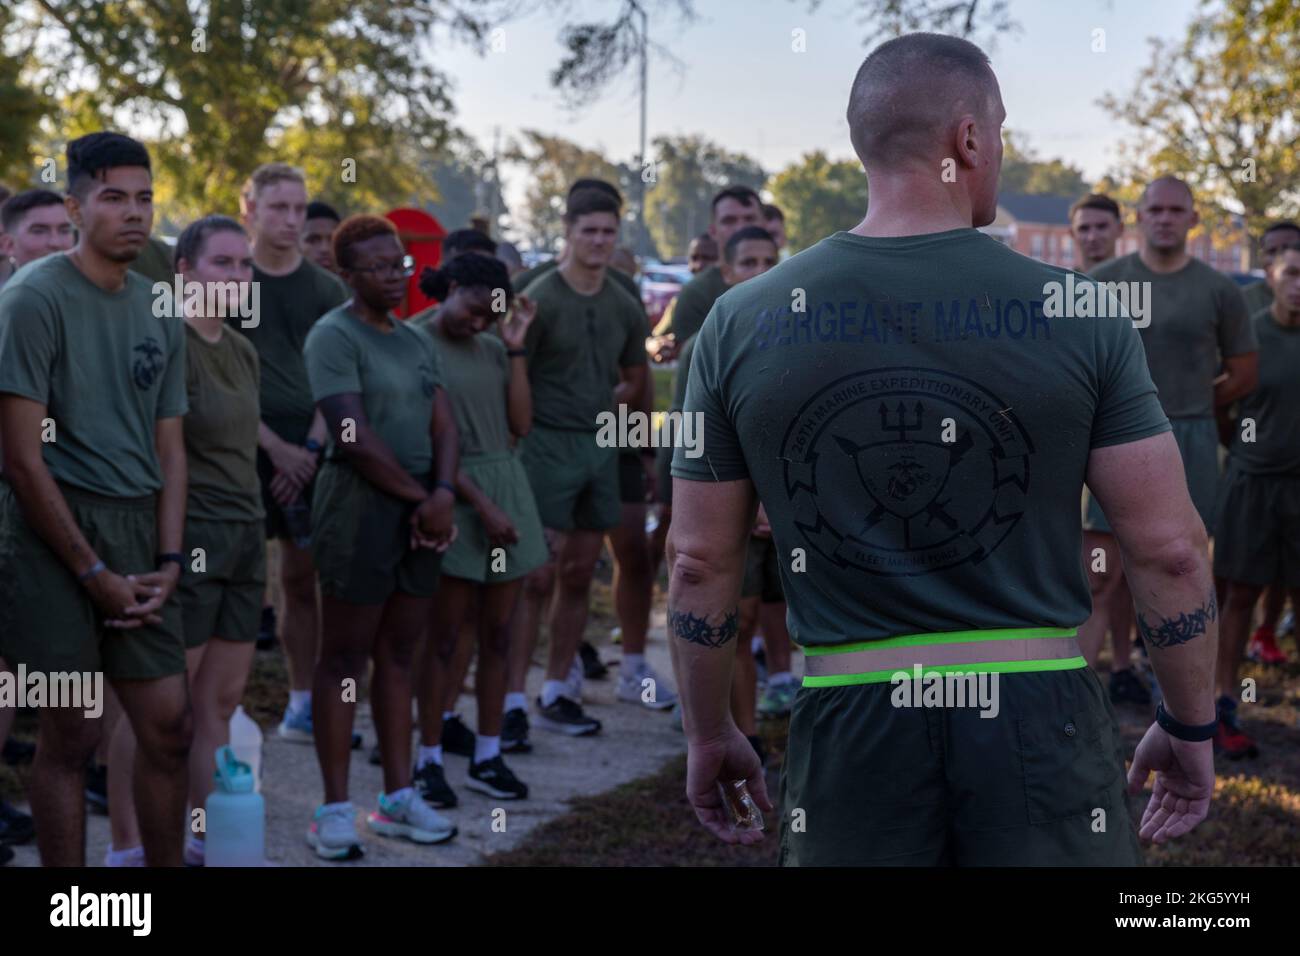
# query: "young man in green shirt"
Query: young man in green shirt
34,224
919,430
92,394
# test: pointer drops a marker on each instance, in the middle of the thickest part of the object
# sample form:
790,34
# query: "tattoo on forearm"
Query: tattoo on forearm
698,630
1168,631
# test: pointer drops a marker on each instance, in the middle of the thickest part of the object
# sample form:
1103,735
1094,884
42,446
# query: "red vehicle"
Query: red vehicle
659,283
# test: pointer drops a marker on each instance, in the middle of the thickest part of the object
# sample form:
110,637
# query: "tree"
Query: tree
22,112
553,163
684,174
819,196
1219,109
1024,172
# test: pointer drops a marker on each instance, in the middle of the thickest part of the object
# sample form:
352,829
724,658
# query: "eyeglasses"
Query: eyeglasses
405,267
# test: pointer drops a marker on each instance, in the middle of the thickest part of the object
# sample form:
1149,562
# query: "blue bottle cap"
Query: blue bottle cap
232,776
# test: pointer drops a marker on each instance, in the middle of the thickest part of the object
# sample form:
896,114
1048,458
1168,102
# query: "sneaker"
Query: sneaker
456,737
1127,688
1263,647
514,732
97,788
777,699
296,727
193,854
631,689
17,752
431,783
333,833
375,759
592,667
565,716
15,826
494,778
131,857
266,629
1232,743
410,818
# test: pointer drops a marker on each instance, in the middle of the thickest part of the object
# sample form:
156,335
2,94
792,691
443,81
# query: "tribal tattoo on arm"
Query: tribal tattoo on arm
1169,631
697,630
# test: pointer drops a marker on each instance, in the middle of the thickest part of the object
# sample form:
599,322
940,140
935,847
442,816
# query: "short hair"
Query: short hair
355,229
473,272
1167,178
587,201
742,194
190,243
602,185
705,239
1279,226
748,234
16,207
322,210
508,253
460,241
91,156
265,175
1097,201
907,90
772,211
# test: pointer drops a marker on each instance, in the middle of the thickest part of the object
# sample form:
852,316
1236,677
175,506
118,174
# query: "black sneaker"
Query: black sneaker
97,788
456,737
431,784
494,778
1127,688
565,716
592,667
15,826
356,740
375,759
266,629
514,732
16,752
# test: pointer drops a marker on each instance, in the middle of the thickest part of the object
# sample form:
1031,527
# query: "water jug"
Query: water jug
246,742
236,816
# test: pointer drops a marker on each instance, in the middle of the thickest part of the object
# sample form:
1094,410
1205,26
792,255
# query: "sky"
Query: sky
738,81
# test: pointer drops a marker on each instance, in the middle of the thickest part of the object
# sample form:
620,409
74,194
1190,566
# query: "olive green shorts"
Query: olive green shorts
502,478
762,574
1257,540
361,540
1041,783
47,619
575,481
222,596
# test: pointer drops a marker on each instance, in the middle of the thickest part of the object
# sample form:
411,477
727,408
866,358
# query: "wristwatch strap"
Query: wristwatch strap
1191,732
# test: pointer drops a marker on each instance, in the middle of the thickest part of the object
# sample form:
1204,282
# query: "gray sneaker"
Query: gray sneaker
777,699
410,818
333,833
634,690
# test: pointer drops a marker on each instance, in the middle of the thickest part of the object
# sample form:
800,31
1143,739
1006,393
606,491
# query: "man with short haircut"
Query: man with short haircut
318,234
1276,238
733,208
35,224
919,431
701,253
460,241
294,293
91,522
6,270
1096,225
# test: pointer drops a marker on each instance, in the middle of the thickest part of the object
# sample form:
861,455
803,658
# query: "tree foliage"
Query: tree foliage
819,196
686,172
1024,172
551,164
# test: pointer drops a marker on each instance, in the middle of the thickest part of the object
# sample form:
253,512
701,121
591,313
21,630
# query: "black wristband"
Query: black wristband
167,556
517,353
1190,732
440,483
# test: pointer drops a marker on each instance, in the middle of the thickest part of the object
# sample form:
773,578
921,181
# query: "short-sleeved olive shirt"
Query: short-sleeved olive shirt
1258,296
522,280
477,378
1273,407
104,365
695,300
396,373
918,434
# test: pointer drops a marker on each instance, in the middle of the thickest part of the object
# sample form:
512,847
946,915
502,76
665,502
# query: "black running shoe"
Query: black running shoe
1127,688
375,759
514,732
494,778
97,788
431,783
266,629
565,716
592,667
456,737
16,752
15,826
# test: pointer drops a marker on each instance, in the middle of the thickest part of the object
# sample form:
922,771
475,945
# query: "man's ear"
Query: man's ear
72,203
6,245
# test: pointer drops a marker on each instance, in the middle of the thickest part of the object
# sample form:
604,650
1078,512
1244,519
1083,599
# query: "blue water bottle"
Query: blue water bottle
236,816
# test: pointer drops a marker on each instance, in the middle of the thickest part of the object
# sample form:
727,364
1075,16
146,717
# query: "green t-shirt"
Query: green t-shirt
695,300
1197,318
522,280
1258,296
576,346
221,428
396,373
288,307
477,378
106,368
1274,404
920,431
156,261
683,374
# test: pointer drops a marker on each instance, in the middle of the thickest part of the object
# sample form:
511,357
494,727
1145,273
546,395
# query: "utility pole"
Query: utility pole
494,202
640,204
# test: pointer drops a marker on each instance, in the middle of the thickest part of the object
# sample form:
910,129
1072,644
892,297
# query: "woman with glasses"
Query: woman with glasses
383,515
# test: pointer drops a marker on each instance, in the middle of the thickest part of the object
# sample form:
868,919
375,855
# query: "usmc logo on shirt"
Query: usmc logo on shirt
875,485
148,364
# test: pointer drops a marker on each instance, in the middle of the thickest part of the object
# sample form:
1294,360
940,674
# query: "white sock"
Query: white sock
398,796
552,689
448,714
779,678
631,664
516,701
428,755
131,856
485,748
299,700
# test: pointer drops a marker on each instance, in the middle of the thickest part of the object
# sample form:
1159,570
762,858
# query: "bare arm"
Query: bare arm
446,439
1239,377
519,398
628,391
366,451
169,439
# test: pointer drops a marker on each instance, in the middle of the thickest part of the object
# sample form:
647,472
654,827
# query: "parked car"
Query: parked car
659,283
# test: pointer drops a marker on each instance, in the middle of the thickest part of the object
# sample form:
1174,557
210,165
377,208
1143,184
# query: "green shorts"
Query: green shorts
631,478
361,540
224,599
502,478
1042,783
574,480
762,572
1198,444
277,523
1257,540
47,619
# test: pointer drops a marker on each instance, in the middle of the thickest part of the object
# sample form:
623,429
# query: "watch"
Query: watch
1191,732
170,556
